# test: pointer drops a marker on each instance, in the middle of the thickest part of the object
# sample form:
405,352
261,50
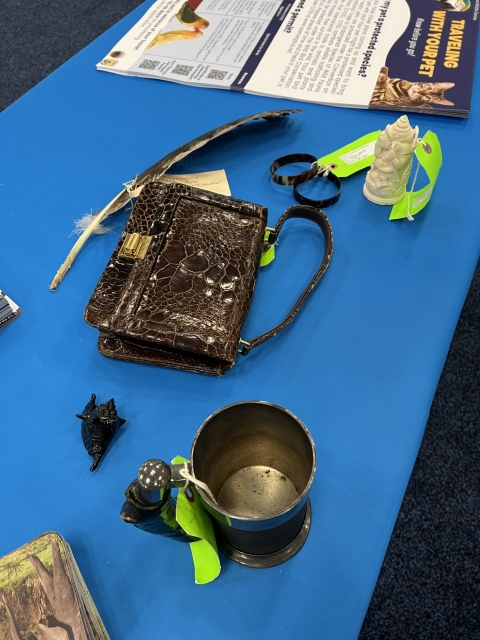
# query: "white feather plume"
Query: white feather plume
82,223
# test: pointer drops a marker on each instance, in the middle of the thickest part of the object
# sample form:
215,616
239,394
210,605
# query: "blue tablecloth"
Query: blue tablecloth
359,366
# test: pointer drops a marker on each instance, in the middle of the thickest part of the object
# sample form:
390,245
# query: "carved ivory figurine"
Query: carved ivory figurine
387,178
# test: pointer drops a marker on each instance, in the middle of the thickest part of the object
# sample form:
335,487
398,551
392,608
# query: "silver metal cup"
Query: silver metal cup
259,461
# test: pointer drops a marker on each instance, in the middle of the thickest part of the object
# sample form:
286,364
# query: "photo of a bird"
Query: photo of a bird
173,36
187,16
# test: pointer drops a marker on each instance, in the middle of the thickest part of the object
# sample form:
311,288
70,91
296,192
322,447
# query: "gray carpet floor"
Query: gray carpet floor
429,585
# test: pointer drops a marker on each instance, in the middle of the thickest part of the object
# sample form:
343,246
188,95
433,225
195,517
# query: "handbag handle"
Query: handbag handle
317,216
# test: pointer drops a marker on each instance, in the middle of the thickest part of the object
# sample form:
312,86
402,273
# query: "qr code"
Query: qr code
216,75
148,64
182,70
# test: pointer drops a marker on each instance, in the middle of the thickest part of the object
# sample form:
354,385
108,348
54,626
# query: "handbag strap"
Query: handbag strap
314,215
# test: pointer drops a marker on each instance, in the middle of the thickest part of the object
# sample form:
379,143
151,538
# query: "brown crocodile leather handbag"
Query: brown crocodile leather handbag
178,286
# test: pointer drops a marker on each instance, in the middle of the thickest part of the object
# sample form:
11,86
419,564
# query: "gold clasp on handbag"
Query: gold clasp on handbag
240,342
134,246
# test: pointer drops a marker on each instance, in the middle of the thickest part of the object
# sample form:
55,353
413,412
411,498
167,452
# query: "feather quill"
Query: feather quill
133,188
82,223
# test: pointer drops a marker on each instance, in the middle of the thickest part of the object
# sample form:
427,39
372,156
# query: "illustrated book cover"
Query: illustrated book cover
43,595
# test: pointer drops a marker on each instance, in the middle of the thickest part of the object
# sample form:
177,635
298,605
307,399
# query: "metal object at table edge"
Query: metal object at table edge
265,532
251,525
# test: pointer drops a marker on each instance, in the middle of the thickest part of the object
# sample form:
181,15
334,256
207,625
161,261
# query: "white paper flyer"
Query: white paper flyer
395,54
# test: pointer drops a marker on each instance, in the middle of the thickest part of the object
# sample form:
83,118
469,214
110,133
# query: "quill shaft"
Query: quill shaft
155,171
81,241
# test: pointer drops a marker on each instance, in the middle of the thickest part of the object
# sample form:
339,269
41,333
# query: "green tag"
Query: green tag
195,521
353,157
268,251
429,155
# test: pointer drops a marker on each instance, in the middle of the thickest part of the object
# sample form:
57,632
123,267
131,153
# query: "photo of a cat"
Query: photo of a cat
402,93
454,5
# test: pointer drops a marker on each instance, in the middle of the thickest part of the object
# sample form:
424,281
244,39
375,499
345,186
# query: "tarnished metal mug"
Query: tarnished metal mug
258,461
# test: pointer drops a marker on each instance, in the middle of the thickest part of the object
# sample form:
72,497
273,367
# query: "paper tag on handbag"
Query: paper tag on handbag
195,521
215,181
353,157
268,251
429,156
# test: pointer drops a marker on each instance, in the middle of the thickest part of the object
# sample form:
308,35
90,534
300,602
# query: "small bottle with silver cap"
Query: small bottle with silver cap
150,505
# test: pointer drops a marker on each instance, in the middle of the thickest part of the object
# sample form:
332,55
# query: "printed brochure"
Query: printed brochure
402,55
